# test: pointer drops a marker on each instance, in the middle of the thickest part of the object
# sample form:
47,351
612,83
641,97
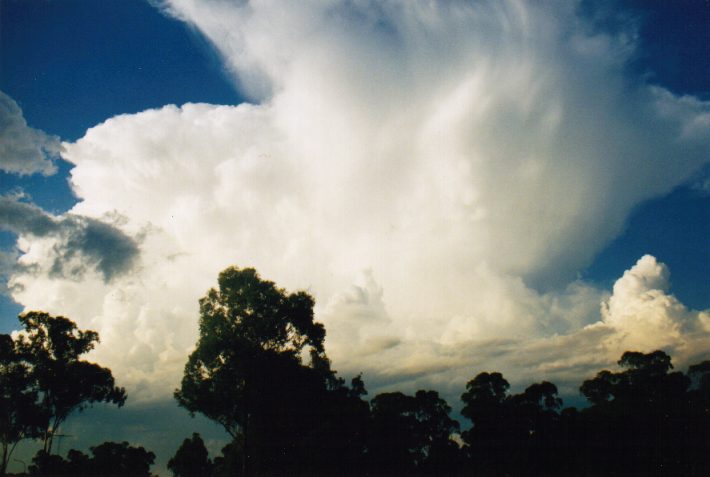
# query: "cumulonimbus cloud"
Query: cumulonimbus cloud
435,173
24,150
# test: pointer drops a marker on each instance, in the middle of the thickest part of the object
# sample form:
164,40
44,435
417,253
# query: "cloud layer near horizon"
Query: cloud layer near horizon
424,169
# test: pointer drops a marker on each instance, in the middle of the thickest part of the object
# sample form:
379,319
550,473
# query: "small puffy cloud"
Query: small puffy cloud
24,150
73,242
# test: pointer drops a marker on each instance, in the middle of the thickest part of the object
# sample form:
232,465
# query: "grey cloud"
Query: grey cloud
24,150
81,242
24,218
8,260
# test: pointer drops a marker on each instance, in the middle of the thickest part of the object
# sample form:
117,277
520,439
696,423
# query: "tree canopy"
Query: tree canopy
247,371
115,459
191,459
20,415
51,347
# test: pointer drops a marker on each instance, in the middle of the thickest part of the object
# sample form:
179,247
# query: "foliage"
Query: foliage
412,434
20,416
191,459
52,347
510,433
108,459
644,415
247,371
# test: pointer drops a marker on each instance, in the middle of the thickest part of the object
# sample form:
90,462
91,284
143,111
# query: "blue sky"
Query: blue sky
72,64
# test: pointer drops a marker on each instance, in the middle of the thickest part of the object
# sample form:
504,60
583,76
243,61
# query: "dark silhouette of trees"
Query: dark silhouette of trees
642,418
511,434
259,370
230,462
245,321
52,347
108,459
113,458
486,405
43,380
20,415
191,459
412,435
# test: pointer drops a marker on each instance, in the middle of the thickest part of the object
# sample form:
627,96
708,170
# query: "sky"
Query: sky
463,186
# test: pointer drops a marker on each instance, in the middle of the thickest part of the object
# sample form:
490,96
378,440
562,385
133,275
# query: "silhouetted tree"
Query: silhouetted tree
246,372
335,438
108,459
511,434
20,416
46,464
52,346
229,463
435,428
191,459
639,417
113,458
534,422
411,434
486,404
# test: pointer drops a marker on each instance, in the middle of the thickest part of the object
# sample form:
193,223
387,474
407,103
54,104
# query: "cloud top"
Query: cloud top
509,117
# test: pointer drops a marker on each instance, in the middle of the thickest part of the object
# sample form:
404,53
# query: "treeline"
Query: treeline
259,369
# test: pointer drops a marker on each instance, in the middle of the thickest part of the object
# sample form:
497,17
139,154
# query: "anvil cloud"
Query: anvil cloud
434,173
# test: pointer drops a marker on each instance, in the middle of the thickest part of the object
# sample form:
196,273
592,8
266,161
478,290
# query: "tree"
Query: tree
640,416
52,347
486,404
191,459
247,371
645,382
20,416
113,458
108,459
412,434
511,433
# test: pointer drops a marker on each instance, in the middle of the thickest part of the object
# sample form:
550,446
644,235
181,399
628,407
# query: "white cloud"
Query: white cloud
24,150
465,155
645,317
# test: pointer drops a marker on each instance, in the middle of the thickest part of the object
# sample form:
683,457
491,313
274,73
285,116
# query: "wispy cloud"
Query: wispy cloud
24,150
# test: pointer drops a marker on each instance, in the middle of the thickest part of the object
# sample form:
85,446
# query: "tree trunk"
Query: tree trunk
245,447
5,457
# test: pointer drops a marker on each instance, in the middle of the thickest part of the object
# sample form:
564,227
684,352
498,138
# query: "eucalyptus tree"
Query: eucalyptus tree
191,459
20,415
258,362
51,347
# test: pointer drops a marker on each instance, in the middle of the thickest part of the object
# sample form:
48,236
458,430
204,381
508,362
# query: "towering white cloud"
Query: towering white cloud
645,316
422,168
24,150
